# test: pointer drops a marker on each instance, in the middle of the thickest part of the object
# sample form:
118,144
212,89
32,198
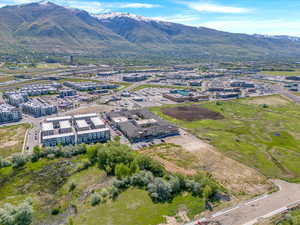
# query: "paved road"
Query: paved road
250,212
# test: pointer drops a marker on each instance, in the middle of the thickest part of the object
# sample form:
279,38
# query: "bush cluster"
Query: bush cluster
162,189
16,215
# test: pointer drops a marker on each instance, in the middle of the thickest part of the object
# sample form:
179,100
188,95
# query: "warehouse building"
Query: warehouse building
141,125
9,113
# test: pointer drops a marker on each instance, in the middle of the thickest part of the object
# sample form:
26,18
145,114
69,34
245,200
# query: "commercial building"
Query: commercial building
9,113
77,129
89,86
141,125
135,78
185,96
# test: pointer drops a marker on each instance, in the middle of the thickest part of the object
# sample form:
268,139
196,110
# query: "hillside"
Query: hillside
52,29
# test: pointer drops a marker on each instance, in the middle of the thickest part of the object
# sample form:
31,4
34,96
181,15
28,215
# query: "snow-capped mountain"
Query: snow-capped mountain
114,15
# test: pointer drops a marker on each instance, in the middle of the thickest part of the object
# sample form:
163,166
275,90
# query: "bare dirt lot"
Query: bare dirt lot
192,113
233,175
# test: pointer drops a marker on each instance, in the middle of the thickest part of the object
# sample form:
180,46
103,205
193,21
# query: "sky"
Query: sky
270,17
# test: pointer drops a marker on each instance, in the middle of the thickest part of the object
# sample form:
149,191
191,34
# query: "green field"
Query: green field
282,73
134,206
12,138
266,138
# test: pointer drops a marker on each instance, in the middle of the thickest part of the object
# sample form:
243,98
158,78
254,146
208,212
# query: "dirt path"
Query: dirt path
232,174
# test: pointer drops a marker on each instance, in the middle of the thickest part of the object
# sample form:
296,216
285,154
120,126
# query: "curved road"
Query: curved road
250,212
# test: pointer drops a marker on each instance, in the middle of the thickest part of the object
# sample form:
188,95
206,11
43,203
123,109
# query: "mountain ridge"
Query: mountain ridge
48,28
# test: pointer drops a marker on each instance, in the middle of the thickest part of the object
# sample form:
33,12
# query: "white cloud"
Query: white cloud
213,8
90,6
188,19
137,5
271,27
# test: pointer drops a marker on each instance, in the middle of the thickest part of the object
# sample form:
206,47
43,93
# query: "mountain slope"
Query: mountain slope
49,27
196,41
52,29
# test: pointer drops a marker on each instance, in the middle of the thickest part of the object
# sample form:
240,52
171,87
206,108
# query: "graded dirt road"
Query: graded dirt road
266,206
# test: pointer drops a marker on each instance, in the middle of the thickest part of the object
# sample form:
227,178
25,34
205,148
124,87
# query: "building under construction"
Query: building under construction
141,125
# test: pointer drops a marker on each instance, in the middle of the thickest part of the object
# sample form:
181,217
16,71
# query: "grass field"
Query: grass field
265,138
282,73
135,207
6,78
12,138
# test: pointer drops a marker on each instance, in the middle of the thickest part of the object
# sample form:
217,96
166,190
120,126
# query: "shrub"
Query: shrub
122,171
95,199
104,193
55,211
4,163
160,190
17,215
18,160
146,163
141,179
72,187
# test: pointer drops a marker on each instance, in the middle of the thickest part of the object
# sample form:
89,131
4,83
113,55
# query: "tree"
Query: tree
122,171
146,163
17,215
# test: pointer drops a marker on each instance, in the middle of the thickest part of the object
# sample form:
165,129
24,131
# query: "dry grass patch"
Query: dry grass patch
274,100
235,176
12,138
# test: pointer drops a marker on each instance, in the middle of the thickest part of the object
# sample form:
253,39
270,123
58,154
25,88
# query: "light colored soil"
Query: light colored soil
173,168
233,175
269,100
9,144
91,109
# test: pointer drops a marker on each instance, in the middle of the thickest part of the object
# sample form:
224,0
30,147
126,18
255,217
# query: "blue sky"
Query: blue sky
274,17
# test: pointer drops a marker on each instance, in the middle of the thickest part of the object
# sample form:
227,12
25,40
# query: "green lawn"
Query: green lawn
136,207
12,138
267,139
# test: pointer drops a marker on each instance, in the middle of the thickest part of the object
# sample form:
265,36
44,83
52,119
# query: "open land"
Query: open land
264,137
12,138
